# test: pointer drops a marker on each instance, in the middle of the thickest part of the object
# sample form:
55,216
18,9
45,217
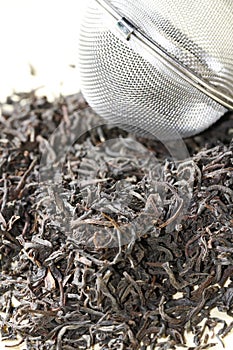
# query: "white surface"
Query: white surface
42,33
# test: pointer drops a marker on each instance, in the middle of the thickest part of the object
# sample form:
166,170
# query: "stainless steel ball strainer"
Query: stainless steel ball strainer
158,67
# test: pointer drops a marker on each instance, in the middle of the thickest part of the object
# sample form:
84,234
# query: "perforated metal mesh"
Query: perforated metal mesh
126,88
197,33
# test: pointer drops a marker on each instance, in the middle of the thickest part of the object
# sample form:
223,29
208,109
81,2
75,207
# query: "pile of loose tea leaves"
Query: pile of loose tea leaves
107,239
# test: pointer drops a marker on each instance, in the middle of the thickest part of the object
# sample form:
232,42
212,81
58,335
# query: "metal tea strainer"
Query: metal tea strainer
158,67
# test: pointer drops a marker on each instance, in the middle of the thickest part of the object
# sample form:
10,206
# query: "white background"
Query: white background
42,33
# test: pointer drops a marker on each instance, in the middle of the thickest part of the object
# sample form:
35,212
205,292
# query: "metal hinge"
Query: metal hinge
125,27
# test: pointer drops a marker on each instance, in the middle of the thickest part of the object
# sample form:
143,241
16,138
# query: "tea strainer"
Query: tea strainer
158,67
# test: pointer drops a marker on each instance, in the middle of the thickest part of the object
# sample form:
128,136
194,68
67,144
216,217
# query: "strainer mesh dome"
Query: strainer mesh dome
197,33
126,88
